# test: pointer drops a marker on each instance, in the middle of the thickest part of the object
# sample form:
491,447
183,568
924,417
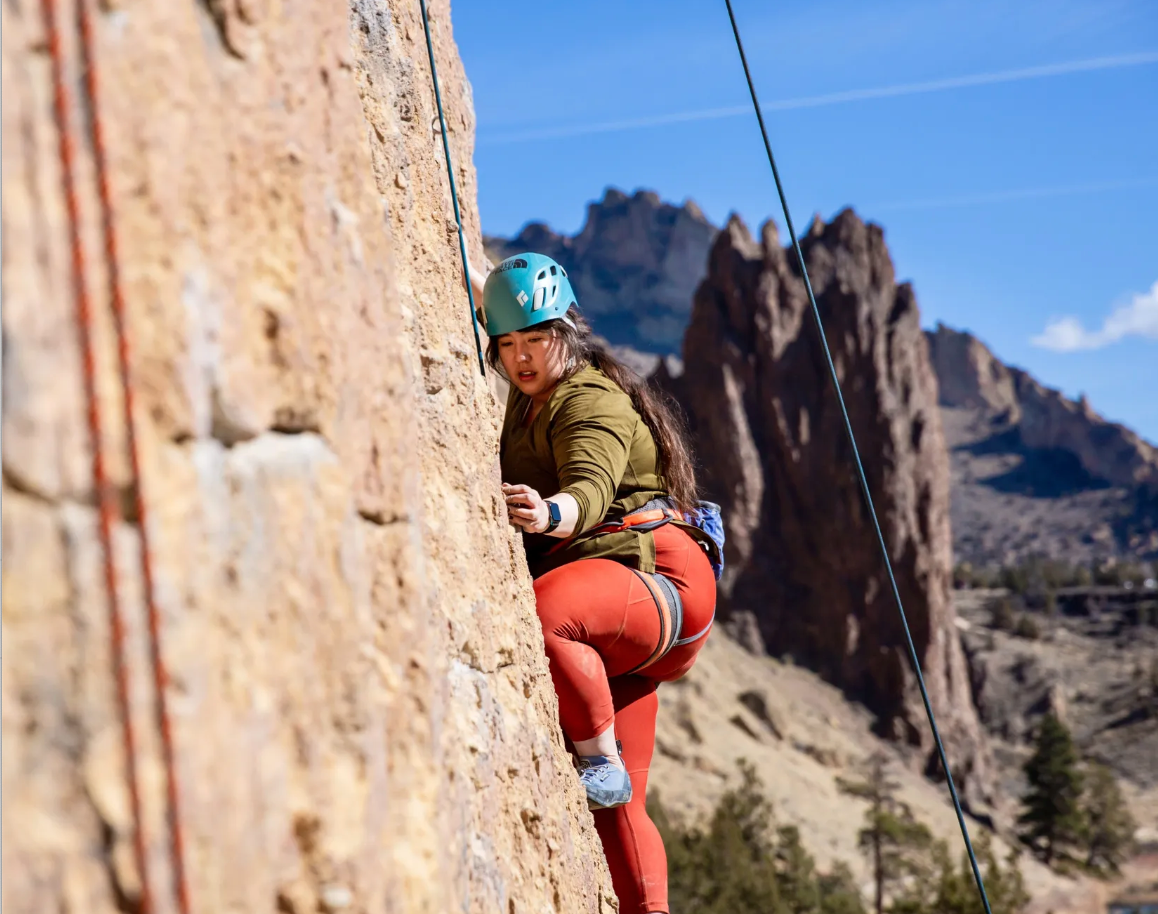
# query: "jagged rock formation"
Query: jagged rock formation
633,265
361,706
802,555
1034,472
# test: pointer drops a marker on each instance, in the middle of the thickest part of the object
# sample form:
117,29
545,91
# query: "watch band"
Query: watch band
555,515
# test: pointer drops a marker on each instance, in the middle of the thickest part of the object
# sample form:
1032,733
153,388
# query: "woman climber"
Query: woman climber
597,476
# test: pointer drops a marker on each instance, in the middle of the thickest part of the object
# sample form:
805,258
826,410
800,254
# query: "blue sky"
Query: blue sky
1016,176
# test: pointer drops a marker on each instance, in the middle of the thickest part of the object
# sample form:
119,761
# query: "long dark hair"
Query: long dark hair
658,411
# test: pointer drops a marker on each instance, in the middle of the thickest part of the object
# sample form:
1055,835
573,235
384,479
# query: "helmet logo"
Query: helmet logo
513,263
546,291
521,298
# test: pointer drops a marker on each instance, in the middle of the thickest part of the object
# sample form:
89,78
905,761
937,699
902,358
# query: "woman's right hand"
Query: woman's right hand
526,508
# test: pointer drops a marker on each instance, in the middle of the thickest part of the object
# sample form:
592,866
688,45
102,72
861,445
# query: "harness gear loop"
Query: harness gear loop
860,472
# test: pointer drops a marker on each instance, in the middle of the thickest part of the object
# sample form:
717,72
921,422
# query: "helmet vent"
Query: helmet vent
542,274
552,271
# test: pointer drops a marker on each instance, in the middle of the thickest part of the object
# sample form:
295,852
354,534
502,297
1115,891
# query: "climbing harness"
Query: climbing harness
62,107
453,191
671,618
659,511
860,472
652,516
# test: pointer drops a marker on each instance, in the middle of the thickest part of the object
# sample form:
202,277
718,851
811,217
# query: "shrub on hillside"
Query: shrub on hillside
1108,826
1001,615
1027,627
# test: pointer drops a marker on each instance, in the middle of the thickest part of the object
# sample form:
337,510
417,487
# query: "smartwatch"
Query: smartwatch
556,516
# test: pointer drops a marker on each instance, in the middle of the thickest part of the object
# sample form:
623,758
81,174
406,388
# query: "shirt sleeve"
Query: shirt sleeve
591,436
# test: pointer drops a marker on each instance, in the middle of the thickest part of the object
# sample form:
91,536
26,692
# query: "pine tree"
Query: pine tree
740,862
729,866
838,891
952,888
892,840
957,892
1109,831
795,873
1052,816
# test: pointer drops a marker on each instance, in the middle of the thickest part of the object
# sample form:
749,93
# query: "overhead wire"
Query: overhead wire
913,657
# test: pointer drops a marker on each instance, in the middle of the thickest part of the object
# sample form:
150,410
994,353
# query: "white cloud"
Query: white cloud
1138,318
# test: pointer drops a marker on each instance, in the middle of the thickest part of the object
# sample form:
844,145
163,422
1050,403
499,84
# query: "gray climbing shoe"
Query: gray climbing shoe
607,784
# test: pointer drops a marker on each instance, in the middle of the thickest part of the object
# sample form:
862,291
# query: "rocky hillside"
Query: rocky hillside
362,714
1094,666
1034,472
803,560
634,265
801,735
970,376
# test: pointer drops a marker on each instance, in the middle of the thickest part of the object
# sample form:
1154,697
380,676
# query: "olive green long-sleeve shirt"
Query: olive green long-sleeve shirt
589,442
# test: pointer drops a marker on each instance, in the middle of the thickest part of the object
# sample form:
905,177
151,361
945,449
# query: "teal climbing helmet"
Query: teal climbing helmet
525,290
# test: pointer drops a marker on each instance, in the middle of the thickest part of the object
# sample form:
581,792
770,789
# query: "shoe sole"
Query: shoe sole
595,804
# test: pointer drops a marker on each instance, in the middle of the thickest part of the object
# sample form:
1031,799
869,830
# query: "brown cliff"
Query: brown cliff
1034,473
971,376
633,265
802,554
362,712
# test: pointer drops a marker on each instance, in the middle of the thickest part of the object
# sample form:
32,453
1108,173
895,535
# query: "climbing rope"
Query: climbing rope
116,297
62,106
101,484
453,191
860,472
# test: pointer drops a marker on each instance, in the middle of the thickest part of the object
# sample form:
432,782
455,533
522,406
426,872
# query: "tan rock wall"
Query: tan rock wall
362,711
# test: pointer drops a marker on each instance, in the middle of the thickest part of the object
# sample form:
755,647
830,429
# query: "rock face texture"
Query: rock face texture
633,265
802,555
362,714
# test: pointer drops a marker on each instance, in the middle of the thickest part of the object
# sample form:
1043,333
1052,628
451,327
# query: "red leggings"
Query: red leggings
600,621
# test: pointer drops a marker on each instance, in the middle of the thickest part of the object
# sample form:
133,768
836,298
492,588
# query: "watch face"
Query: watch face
556,514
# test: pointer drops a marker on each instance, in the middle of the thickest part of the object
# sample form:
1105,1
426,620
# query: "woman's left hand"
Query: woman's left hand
526,508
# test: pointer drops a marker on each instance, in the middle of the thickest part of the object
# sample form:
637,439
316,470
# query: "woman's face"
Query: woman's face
533,359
